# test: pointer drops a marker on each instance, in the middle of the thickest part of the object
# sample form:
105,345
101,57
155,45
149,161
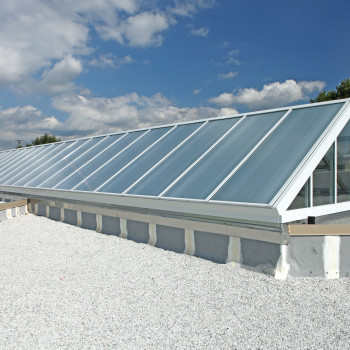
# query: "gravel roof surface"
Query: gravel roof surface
63,287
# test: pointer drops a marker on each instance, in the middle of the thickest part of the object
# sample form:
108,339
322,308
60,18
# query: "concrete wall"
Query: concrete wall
303,256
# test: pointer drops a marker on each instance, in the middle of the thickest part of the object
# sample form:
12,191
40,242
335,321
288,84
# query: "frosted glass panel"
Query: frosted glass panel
266,171
302,200
217,164
14,155
161,177
323,180
87,169
54,167
121,160
45,162
343,168
102,144
20,167
127,177
20,160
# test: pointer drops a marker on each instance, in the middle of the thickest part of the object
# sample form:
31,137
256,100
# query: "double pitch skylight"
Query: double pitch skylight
239,159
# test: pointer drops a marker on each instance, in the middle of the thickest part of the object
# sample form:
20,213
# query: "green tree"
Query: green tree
343,91
46,138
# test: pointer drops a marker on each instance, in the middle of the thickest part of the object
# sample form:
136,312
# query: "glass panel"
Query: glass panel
343,161
302,200
163,175
323,180
54,167
86,170
80,161
267,170
17,156
121,160
44,163
203,178
20,166
128,176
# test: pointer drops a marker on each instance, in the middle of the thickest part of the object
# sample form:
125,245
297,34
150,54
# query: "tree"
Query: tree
343,91
46,138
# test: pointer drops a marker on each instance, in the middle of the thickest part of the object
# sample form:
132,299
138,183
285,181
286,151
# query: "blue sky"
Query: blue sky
77,68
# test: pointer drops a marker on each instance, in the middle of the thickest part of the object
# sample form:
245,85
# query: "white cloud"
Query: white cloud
24,123
232,58
199,31
228,75
91,115
110,61
36,34
271,95
197,91
58,79
144,29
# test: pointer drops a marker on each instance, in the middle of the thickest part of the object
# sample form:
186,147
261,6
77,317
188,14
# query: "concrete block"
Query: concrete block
110,225
211,246
55,213
306,256
137,231
88,221
70,217
41,210
255,253
171,238
344,263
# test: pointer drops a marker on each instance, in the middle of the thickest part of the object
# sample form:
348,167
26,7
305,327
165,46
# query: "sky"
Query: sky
76,68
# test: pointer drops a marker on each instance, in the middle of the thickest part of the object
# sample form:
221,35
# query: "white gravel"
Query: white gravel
63,287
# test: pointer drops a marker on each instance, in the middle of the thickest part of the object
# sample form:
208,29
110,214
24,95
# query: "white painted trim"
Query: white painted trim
241,211
135,158
165,157
123,228
200,158
331,256
282,267
190,246
62,214
335,186
79,219
234,254
223,182
152,232
98,222
303,213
